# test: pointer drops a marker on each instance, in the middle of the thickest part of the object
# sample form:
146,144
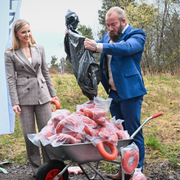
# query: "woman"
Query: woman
30,87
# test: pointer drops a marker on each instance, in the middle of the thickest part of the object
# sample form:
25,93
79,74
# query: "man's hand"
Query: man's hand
90,44
66,32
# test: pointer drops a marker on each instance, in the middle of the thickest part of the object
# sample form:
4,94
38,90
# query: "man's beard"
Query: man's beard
115,36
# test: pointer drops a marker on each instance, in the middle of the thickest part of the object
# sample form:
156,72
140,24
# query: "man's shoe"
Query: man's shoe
119,176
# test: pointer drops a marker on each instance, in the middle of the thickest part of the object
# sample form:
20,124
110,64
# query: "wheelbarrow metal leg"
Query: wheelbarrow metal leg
92,178
97,164
123,178
61,173
97,171
84,172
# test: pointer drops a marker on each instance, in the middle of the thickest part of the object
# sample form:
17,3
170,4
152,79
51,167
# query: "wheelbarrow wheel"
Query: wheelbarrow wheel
50,169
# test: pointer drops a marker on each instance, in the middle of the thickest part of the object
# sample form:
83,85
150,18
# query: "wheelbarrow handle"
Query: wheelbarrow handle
154,116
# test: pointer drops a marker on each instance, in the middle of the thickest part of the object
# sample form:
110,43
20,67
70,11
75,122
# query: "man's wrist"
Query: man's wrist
99,47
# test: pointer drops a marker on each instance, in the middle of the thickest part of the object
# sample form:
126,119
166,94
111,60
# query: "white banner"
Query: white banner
9,12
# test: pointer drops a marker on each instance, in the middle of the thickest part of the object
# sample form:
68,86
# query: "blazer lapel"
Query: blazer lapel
20,53
107,39
35,57
124,34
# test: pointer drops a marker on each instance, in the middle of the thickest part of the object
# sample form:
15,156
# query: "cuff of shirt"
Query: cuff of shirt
99,47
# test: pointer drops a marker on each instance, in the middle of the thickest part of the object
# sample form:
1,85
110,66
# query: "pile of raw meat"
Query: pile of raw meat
88,124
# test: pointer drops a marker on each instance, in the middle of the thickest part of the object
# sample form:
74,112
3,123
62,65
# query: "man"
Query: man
121,50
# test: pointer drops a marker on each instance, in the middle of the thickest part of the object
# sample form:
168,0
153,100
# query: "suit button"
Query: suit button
41,86
39,64
27,77
28,88
22,66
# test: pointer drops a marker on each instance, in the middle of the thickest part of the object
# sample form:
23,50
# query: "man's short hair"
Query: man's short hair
119,10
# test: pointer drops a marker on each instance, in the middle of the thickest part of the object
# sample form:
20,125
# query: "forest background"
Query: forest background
159,19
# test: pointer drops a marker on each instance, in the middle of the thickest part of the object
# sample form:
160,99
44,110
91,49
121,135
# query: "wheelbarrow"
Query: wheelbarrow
81,153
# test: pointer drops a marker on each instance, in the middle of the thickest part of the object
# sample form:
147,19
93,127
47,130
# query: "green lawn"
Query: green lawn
162,135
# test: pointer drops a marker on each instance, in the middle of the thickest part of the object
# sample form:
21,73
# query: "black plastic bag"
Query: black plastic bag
85,68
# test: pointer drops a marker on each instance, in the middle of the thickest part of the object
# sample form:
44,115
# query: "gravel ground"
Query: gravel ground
160,171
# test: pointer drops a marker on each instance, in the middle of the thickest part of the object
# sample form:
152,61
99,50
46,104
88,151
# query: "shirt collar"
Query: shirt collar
125,28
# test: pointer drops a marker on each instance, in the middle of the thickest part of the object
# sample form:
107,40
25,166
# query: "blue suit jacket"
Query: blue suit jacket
125,63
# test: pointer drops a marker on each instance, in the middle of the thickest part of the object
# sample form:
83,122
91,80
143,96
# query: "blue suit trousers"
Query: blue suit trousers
130,111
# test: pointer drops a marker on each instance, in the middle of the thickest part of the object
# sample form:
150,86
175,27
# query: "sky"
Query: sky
47,21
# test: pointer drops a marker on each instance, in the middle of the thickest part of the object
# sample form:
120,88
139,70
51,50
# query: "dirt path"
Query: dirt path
160,171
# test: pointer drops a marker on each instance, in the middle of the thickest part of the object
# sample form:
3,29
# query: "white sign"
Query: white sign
9,12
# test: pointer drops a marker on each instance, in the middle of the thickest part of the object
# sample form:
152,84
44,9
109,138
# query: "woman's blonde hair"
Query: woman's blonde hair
15,41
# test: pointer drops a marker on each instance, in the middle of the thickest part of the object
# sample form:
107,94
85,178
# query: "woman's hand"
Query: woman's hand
55,101
55,98
90,44
17,109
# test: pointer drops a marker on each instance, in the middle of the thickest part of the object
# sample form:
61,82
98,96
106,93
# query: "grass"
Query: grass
153,142
162,135
107,167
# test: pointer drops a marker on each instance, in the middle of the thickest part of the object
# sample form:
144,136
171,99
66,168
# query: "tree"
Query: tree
54,65
142,16
162,50
68,66
161,22
169,47
85,31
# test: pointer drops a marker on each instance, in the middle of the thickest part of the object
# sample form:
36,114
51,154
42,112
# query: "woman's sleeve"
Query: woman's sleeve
11,79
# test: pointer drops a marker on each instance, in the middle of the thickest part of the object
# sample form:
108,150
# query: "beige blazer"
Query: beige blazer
29,84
